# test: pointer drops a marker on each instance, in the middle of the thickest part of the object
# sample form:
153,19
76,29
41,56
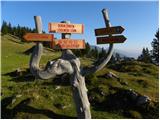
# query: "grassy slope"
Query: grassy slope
46,100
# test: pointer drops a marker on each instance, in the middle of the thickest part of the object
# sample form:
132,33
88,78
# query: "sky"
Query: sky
139,18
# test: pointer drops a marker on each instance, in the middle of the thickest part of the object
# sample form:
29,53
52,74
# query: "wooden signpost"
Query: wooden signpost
68,44
62,43
38,37
109,30
68,63
66,28
113,39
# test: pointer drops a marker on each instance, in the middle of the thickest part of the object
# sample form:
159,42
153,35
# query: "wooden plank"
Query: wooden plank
66,28
38,37
109,30
112,39
68,44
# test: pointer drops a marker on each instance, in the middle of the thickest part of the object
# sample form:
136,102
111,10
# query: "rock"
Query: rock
112,75
13,100
59,106
57,87
102,93
133,95
63,107
17,96
141,100
109,75
18,72
124,83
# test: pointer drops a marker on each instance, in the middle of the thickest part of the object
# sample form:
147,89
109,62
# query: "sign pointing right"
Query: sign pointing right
109,30
112,39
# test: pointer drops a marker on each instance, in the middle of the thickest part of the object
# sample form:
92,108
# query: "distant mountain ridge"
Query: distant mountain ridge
120,52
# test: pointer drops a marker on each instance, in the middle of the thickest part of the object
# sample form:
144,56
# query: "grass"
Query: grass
31,98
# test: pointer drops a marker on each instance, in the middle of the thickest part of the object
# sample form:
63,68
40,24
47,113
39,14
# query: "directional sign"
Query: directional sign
66,28
38,37
109,30
113,39
68,44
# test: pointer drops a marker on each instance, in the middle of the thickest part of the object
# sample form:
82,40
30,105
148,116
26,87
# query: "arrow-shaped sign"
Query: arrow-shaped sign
112,39
109,30
38,37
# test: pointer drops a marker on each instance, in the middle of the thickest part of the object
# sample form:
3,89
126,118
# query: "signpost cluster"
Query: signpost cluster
68,63
59,43
78,29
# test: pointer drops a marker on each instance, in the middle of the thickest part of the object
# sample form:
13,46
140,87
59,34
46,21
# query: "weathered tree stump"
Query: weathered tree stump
70,64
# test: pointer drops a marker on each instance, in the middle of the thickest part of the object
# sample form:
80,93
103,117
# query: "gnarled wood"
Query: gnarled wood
80,92
106,59
78,83
69,63
58,67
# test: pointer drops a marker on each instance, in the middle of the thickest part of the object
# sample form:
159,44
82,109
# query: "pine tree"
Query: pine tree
112,60
145,56
155,48
96,53
102,53
9,28
4,28
117,57
84,52
87,49
18,31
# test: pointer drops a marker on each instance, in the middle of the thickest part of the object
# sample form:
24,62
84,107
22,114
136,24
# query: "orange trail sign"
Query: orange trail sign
66,28
68,44
112,39
38,37
109,30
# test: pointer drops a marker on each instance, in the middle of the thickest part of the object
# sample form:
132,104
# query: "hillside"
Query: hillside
23,96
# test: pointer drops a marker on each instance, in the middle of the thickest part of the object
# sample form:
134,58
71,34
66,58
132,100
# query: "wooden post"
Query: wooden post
69,63
106,59
36,55
77,82
110,51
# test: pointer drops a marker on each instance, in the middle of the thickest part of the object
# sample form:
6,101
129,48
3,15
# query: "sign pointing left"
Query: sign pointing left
38,37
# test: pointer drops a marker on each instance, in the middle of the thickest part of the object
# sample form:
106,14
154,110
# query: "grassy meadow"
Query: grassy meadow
23,96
